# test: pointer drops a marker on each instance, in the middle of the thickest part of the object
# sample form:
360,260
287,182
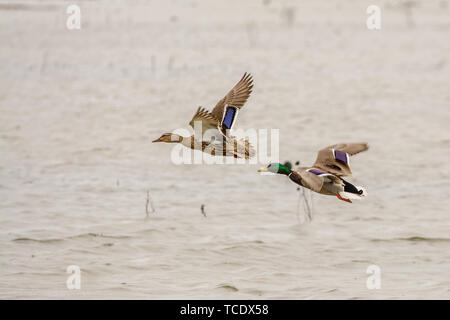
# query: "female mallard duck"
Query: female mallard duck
218,123
325,176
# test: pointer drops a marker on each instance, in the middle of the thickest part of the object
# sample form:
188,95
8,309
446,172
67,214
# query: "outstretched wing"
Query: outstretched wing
335,159
207,121
350,148
235,98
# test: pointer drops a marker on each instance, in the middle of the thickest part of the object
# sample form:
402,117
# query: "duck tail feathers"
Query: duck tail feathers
350,195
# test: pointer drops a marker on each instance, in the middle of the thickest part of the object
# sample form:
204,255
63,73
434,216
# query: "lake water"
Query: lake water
79,109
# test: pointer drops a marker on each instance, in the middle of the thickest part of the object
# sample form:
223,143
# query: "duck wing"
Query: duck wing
335,159
226,109
208,122
350,148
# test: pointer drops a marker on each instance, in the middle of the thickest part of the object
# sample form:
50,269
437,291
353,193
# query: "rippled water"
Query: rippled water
78,111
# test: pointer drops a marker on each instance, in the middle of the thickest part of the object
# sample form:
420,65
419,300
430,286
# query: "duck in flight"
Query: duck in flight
325,176
216,125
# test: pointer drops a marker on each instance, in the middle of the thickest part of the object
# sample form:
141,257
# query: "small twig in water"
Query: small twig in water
307,204
149,201
202,208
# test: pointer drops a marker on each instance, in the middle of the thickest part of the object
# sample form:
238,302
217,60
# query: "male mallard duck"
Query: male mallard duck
325,176
218,123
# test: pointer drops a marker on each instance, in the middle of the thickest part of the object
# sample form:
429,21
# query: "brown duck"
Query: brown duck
215,134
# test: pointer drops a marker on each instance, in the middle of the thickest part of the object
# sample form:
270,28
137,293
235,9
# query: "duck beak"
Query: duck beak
263,170
157,140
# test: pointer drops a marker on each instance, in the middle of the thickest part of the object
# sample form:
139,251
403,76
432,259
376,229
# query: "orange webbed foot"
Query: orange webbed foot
340,198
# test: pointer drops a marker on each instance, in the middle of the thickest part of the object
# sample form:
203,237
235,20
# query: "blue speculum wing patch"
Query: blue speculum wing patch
340,156
228,119
317,172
